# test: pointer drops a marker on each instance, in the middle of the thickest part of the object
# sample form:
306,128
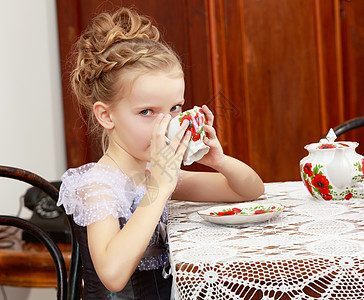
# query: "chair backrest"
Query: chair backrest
349,125
52,247
66,289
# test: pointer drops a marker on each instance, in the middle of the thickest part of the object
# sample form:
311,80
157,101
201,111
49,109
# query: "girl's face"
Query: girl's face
134,115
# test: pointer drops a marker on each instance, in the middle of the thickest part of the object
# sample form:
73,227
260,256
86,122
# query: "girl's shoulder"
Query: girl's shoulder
96,190
94,172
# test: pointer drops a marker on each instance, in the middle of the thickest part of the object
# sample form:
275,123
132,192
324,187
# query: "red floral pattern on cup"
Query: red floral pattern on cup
191,126
199,119
196,123
196,137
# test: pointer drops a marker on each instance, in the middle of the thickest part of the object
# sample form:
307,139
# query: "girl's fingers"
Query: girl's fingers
153,143
179,135
210,131
158,142
159,130
183,146
209,115
163,125
163,129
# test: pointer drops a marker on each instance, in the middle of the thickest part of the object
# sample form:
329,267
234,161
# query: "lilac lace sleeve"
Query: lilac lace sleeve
93,192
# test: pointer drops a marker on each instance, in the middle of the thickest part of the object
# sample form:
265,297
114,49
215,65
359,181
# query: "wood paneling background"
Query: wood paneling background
277,73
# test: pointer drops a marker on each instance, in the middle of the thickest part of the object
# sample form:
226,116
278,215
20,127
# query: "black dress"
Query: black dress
143,285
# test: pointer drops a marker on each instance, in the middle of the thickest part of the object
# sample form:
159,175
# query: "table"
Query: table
29,264
313,250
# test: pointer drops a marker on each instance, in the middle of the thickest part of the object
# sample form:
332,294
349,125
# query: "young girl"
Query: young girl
132,84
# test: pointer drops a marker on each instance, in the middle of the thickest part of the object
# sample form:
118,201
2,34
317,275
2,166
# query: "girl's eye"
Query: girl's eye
176,108
146,112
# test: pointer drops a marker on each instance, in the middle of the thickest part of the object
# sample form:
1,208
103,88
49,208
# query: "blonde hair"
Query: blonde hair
117,44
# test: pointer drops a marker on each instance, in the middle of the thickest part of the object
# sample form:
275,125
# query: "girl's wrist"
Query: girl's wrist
154,194
219,163
163,191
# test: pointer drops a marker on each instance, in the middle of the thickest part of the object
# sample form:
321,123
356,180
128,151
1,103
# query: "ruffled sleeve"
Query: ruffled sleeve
93,192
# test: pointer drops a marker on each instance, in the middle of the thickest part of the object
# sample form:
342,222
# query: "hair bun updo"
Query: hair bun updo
125,24
113,44
106,31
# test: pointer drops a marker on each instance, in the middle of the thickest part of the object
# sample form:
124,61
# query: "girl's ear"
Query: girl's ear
102,114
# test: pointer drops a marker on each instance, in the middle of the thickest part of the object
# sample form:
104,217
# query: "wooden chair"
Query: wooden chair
66,288
349,125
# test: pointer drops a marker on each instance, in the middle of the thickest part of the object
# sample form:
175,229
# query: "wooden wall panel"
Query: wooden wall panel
75,130
284,71
352,26
230,86
283,84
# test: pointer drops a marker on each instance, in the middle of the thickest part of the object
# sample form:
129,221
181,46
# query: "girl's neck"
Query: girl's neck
118,157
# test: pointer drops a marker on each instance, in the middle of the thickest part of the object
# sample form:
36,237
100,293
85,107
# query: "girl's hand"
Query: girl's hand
166,159
215,156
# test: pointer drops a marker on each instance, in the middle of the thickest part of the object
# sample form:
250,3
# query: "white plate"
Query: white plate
250,213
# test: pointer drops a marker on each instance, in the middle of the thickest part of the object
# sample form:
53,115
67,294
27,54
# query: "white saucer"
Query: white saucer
241,213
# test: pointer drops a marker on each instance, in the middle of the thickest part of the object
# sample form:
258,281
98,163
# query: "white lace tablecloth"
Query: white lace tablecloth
313,250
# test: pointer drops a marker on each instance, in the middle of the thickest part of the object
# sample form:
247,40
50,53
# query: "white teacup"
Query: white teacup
196,147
